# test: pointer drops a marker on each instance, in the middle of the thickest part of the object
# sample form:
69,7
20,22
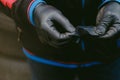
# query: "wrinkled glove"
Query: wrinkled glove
108,20
52,27
86,31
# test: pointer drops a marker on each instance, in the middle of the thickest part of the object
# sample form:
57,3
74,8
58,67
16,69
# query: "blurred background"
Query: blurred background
13,65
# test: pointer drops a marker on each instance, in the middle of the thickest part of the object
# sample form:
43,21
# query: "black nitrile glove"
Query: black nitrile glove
86,31
52,27
108,20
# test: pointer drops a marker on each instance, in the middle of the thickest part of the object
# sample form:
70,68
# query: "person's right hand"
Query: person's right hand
46,17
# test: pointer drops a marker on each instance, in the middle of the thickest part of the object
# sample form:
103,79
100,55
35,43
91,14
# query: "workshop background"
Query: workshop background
13,65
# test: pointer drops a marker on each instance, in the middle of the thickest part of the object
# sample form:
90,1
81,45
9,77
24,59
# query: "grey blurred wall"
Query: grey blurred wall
13,65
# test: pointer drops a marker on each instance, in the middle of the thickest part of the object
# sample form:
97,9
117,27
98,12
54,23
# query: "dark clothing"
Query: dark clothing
97,72
79,12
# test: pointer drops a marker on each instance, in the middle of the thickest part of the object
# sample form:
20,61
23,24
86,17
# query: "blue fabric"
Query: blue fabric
32,7
55,63
118,43
83,3
83,45
106,1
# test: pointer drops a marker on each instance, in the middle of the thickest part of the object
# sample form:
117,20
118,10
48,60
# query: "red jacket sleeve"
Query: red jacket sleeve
8,3
20,9
17,9
6,6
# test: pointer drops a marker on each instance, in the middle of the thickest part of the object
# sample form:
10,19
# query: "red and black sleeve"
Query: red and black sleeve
19,10
6,5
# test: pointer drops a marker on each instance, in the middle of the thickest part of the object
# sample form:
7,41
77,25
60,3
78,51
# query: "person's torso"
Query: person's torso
79,12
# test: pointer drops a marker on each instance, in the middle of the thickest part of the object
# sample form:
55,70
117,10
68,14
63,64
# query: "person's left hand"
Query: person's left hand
108,20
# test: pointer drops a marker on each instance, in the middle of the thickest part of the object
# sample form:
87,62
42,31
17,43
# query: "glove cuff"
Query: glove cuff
107,1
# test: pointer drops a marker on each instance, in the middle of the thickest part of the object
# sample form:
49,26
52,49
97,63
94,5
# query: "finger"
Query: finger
53,33
112,31
103,25
64,22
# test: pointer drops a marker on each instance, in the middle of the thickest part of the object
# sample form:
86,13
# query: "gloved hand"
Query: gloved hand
108,20
52,27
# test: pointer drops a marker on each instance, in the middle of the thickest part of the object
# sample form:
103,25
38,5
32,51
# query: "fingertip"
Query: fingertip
100,30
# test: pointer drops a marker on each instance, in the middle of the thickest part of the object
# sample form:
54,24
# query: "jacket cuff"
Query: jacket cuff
22,11
31,8
107,1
